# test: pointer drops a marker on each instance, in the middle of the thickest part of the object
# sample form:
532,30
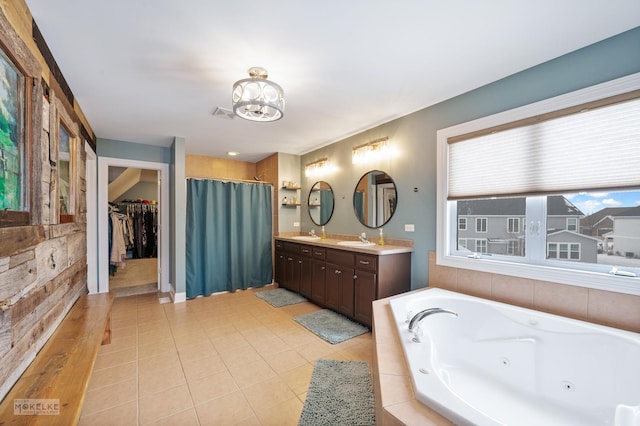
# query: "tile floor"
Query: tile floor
225,359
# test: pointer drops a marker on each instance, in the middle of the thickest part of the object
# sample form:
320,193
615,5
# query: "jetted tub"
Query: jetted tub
498,364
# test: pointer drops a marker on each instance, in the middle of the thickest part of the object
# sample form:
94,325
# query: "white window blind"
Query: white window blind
593,149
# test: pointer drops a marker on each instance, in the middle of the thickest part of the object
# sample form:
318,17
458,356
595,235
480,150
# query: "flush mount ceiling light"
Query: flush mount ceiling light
256,98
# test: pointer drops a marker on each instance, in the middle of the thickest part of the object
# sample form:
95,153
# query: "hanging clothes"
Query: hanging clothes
143,242
229,229
119,227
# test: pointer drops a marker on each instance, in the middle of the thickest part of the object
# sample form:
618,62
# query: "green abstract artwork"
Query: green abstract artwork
11,135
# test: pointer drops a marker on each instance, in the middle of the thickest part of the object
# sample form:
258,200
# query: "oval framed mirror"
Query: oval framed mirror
375,199
321,202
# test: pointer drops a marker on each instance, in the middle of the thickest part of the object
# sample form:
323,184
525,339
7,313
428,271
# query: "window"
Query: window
513,248
462,224
513,225
514,168
481,246
567,251
15,114
66,187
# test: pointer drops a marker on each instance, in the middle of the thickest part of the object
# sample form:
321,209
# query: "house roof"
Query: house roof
557,205
598,216
633,211
576,234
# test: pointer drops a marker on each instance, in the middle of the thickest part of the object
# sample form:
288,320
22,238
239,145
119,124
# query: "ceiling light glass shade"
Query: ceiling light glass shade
258,99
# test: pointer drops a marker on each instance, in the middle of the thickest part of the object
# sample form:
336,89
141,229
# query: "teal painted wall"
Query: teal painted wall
132,151
415,137
178,216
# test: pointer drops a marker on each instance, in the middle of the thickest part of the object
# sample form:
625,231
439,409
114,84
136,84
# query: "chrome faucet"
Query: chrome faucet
363,238
425,313
312,233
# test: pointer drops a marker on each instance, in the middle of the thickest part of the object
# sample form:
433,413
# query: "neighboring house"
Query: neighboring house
498,226
599,223
626,233
570,245
495,226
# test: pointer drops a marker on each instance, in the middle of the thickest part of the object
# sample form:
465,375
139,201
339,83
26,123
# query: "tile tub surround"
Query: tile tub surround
597,306
395,401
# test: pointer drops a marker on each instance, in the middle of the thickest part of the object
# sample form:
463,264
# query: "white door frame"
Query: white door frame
103,226
92,219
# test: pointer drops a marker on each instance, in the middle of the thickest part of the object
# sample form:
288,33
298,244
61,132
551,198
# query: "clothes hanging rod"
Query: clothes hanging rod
229,179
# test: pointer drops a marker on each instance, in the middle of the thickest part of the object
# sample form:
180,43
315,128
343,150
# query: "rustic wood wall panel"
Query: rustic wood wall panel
42,267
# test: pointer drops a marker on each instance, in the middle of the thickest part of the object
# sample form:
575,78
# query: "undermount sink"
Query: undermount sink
355,243
306,238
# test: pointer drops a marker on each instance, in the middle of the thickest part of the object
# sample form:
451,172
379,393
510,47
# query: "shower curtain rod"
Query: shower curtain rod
229,179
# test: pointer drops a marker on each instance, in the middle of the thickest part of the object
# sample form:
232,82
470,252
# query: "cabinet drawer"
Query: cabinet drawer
318,253
366,262
292,247
339,257
306,251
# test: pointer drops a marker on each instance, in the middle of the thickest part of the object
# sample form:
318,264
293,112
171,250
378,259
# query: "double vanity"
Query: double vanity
344,276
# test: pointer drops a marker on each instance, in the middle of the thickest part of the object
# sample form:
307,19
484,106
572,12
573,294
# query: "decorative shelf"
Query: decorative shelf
291,187
290,205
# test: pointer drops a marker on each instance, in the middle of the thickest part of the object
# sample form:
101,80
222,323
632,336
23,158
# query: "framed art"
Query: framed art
13,159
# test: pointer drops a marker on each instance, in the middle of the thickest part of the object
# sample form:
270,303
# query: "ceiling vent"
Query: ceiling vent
223,113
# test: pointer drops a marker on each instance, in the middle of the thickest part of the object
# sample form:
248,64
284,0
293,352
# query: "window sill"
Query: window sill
589,279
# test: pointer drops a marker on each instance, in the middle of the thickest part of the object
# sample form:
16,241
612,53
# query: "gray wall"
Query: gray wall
415,137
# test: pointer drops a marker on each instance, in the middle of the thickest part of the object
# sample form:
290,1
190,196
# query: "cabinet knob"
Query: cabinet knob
364,262
323,268
289,258
300,261
355,277
338,272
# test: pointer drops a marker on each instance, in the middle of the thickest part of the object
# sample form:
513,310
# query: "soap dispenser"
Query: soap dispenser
323,234
381,238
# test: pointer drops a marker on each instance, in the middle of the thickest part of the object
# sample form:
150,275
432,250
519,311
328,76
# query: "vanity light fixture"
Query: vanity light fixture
256,98
370,151
317,168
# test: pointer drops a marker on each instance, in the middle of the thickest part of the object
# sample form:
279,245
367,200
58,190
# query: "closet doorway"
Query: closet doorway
133,226
133,212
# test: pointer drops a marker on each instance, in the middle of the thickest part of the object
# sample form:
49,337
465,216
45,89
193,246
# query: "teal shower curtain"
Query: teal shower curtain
326,205
229,230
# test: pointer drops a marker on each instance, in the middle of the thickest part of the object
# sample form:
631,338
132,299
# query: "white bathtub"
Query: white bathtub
498,364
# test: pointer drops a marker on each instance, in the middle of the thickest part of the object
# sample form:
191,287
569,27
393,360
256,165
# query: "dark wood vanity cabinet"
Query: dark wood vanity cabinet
342,280
318,275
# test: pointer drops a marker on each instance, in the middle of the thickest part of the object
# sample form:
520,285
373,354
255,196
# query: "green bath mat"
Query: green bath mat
280,297
340,393
332,327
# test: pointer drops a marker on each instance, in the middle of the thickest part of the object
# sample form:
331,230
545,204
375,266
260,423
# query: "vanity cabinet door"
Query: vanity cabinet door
339,289
280,268
318,273
365,293
306,271
292,273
